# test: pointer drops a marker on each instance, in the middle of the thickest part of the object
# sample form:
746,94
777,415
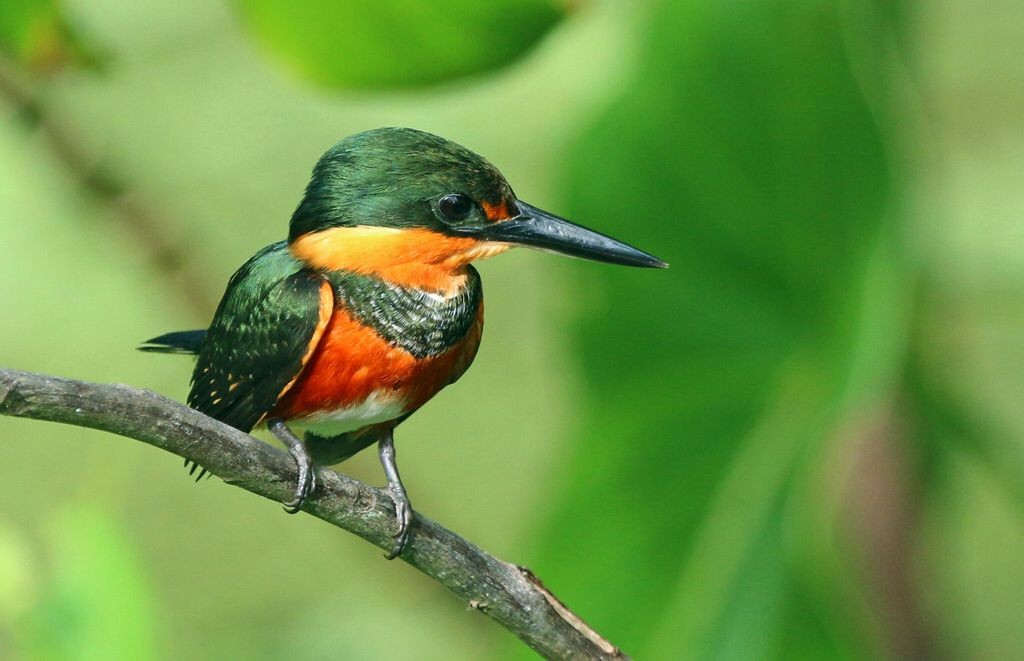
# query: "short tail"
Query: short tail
185,342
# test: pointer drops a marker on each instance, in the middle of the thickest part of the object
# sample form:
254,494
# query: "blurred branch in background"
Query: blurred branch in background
508,594
883,508
136,218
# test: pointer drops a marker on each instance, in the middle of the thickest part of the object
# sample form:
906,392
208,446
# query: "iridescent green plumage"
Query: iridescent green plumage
259,336
389,177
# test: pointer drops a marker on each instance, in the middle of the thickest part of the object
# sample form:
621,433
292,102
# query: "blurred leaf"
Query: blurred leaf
37,35
971,544
18,577
745,155
374,44
98,605
27,28
955,427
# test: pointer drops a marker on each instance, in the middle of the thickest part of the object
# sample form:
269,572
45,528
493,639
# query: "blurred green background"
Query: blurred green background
804,440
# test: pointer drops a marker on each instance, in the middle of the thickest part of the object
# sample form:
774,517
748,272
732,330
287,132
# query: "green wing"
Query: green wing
268,322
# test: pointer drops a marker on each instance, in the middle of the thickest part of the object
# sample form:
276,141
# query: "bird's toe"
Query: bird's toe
306,480
403,514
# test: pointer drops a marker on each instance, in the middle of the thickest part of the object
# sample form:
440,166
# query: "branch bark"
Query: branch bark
509,594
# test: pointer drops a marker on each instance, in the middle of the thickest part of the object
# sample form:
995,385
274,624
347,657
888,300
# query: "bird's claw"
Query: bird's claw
307,479
303,462
403,513
191,471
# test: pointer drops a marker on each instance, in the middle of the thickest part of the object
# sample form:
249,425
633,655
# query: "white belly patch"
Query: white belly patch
380,406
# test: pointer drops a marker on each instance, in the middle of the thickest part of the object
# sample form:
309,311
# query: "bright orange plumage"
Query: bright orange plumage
352,361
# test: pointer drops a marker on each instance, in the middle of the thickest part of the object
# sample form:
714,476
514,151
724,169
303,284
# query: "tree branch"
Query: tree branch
509,594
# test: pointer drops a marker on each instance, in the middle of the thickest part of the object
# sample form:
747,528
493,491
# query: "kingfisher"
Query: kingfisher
371,305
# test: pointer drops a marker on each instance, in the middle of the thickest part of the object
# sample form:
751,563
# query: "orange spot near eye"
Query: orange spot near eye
496,212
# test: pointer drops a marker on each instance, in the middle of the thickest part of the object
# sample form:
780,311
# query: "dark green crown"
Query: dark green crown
395,177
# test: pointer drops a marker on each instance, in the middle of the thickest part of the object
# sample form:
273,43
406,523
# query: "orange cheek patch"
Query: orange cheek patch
409,257
496,212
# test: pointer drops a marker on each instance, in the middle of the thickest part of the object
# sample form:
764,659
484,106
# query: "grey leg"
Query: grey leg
403,510
307,476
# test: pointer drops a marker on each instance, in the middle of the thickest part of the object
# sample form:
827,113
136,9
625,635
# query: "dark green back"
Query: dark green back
257,340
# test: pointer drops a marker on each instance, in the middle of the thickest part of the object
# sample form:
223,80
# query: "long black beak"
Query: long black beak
536,228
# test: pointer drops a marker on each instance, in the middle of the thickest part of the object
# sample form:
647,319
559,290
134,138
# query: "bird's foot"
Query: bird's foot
403,513
191,471
307,478
403,510
303,461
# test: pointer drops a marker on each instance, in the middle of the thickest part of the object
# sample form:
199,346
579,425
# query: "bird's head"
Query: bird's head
394,196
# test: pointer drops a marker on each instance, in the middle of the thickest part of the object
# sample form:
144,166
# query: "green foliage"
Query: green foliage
36,34
24,25
375,44
85,597
744,153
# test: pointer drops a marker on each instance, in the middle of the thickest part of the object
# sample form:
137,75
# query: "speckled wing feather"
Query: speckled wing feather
266,327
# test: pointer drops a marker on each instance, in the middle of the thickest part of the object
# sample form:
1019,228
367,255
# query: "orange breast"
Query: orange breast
351,362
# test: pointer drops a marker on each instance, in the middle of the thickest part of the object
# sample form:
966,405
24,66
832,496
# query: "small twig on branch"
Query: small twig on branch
509,594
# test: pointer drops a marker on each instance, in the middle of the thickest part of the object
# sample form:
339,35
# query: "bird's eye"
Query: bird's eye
455,206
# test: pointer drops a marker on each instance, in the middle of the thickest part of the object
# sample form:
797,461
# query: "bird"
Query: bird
371,306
